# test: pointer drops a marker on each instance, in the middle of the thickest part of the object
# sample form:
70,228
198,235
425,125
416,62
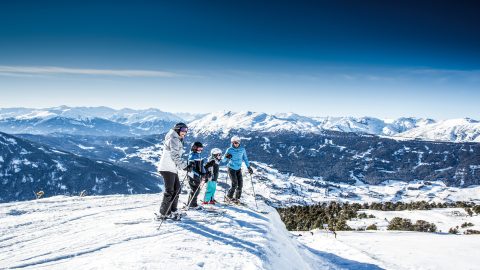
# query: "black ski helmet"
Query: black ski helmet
196,145
179,126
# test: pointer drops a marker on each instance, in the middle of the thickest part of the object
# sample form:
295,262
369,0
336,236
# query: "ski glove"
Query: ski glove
210,164
189,168
229,156
250,170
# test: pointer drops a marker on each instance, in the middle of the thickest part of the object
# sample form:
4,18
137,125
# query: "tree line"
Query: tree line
334,215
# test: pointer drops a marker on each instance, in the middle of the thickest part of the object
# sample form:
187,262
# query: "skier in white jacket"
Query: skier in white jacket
170,163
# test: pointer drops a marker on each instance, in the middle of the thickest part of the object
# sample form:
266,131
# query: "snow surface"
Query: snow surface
118,232
399,250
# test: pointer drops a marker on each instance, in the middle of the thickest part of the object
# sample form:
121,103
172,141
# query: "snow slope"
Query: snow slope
399,250
117,232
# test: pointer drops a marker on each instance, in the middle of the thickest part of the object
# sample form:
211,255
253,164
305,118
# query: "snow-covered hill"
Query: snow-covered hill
27,167
118,232
454,130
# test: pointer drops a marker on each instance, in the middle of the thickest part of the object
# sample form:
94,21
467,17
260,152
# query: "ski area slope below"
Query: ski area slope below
400,250
118,232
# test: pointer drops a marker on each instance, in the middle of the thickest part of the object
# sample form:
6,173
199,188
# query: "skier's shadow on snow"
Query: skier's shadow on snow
227,239
248,212
343,262
243,224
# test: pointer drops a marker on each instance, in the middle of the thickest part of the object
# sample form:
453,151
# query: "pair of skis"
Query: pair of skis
242,204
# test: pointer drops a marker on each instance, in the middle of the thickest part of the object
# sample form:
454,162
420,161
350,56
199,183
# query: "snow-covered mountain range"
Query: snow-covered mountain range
104,121
455,130
86,121
126,115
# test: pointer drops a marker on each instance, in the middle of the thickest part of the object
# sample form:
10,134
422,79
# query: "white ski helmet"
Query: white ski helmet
215,151
235,139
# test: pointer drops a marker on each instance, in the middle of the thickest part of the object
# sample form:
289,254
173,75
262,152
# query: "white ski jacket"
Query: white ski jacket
171,160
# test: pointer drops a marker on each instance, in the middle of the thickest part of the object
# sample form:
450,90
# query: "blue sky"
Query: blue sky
337,58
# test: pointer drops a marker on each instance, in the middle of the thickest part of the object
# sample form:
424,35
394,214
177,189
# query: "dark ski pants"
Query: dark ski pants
237,183
171,193
194,185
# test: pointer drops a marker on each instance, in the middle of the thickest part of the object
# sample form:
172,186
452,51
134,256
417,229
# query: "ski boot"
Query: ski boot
228,199
177,216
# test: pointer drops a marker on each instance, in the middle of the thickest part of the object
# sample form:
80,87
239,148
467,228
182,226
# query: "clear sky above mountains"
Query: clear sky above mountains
378,58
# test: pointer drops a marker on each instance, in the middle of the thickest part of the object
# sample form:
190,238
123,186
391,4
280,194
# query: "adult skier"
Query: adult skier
235,155
212,167
197,162
170,163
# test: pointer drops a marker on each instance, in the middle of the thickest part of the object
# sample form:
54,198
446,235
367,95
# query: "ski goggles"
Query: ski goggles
183,129
235,142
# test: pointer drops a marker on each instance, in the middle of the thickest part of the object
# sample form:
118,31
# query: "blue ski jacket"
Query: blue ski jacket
198,163
238,155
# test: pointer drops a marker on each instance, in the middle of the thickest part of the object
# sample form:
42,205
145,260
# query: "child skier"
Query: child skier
197,162
212,168
236,155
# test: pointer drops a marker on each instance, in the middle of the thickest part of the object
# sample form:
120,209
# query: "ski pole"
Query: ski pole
194,194
253,188
171,203
226,184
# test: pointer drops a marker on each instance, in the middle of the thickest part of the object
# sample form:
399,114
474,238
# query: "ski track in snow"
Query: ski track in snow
118,232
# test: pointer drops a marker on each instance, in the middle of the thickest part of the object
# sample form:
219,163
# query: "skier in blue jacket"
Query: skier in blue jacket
235,156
